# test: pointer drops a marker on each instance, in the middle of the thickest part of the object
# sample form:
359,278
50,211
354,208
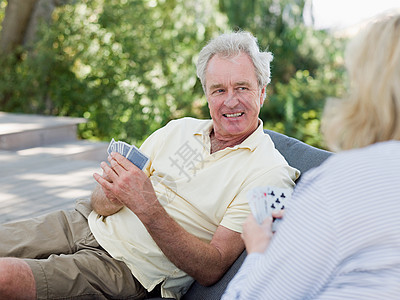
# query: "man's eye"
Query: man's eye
243,88
219,91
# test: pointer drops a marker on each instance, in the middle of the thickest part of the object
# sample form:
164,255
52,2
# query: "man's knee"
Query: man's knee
16,279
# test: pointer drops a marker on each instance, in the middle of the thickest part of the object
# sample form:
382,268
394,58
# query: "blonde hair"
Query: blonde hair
371,111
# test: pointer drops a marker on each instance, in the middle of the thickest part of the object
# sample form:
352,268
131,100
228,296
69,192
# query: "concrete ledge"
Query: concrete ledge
20,131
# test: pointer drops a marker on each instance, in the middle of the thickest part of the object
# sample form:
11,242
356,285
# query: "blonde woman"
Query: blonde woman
340,238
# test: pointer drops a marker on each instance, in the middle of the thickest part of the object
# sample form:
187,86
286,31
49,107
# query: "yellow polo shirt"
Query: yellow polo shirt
199,190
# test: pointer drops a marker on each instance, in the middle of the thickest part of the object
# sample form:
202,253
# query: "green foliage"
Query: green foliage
3,5
129,66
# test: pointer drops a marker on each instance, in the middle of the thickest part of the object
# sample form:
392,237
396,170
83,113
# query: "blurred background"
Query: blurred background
128,66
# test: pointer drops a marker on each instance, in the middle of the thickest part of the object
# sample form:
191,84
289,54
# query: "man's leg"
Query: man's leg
63,259
59,232
54,233
86,274
16,279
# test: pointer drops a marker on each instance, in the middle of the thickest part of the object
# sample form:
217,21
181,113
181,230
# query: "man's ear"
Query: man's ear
263,95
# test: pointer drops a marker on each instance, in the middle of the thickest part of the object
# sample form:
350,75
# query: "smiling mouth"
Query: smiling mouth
233,115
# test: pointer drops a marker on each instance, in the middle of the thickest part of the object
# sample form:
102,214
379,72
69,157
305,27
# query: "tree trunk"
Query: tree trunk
42,12
21,21
16,19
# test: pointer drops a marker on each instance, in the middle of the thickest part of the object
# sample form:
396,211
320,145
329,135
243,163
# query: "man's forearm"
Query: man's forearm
101,204
204,262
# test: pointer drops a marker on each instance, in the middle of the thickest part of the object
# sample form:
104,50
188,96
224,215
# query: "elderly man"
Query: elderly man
176,221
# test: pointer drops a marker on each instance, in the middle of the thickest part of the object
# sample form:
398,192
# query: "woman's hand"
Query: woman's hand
257,237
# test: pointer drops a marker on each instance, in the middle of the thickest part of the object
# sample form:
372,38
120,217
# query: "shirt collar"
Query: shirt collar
251,142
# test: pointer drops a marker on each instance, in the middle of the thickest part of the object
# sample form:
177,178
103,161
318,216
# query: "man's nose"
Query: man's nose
232,99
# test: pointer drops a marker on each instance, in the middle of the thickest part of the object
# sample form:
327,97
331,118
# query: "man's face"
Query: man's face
233,95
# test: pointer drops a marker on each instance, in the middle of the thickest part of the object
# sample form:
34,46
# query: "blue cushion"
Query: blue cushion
298,154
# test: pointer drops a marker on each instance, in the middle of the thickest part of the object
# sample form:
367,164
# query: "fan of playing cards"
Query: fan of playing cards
264,200
131,152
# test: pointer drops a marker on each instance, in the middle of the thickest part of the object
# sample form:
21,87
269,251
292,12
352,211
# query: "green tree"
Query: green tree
127,66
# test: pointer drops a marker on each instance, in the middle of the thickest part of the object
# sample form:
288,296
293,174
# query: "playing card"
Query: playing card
119,147
263,200
257,204
137,158
124,148
131,152
111,147
276,198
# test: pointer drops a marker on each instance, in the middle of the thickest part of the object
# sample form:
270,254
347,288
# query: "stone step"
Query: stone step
21,131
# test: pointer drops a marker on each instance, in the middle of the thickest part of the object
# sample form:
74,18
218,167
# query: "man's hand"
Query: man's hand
110,196
122,182
103,204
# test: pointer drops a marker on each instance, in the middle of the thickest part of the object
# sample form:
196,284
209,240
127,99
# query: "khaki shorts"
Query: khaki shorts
66,260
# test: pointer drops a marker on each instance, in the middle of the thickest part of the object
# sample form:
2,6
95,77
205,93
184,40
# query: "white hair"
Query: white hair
230,45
